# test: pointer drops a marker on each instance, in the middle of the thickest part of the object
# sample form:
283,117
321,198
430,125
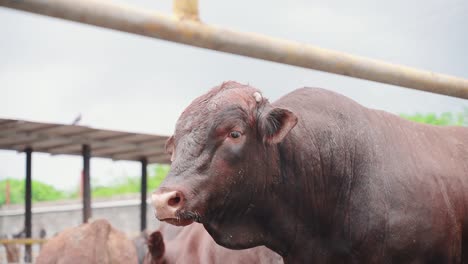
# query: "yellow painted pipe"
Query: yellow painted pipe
23,241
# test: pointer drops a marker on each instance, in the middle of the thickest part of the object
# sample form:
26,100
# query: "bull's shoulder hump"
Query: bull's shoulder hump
315,93
322,98
310,91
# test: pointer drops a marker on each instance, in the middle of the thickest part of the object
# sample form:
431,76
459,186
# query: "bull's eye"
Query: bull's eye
235,134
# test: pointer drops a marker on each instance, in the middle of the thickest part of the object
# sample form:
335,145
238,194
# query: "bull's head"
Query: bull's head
225,164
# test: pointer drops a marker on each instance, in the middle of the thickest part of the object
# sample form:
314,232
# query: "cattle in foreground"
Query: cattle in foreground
317,178
92,243
192,244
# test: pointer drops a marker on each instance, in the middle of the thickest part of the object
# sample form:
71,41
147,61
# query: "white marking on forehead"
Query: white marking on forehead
258,97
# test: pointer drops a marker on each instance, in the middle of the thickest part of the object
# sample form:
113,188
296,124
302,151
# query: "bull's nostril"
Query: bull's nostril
174,201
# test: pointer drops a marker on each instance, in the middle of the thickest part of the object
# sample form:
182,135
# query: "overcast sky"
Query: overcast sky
51,70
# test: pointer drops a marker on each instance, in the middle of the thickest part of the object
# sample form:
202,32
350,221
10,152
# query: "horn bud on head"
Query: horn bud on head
258,97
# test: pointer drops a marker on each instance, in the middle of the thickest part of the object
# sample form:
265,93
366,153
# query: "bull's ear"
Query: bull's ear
169,147
276,124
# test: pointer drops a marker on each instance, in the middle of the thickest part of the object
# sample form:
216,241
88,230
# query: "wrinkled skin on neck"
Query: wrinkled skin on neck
232,185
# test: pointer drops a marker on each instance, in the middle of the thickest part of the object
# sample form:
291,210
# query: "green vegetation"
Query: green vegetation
444,119
45,192
131,185
42,191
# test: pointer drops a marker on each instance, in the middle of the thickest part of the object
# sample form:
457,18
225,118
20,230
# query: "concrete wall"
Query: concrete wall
123,214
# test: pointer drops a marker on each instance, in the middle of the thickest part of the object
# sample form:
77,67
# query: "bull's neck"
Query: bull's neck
315,173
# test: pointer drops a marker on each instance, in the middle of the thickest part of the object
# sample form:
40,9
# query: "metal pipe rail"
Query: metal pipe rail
23,241
192,32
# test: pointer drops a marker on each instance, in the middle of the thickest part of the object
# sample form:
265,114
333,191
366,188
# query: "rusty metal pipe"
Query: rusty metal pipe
153,24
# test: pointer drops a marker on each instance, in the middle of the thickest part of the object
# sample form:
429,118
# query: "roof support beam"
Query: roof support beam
87,213
143,191
28,204
30,138
191,32
131,154
59,139
128,148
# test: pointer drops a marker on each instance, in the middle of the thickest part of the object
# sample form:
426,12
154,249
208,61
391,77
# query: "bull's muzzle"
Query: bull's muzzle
166,204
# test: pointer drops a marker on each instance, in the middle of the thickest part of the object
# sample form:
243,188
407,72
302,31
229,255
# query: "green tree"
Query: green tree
40,191
45,192
132,185
443,119
159,172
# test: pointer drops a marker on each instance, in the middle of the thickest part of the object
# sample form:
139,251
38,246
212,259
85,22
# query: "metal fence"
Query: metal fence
192,32
20,250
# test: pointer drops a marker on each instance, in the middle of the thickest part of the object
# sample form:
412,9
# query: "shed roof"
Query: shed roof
59,139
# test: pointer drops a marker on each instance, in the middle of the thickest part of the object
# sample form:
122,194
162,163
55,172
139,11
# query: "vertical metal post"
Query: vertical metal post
86,152
185,9
144,164
28,204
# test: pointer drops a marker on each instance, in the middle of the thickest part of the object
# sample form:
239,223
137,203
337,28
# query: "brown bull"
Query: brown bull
318,178
94,243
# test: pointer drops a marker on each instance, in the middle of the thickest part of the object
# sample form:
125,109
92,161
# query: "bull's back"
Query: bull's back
425,157
398,146
411,189
423,177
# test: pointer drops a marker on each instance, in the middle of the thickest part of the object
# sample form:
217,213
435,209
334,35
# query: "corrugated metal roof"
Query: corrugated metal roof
59,139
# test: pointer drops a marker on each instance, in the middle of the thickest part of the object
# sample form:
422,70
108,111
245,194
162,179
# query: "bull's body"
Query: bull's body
379,188
346,184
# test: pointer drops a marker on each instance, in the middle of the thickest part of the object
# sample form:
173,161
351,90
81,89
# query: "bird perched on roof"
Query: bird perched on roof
77,120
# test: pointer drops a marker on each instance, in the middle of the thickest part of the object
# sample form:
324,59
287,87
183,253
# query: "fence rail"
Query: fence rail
192,32
23,241
20,250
